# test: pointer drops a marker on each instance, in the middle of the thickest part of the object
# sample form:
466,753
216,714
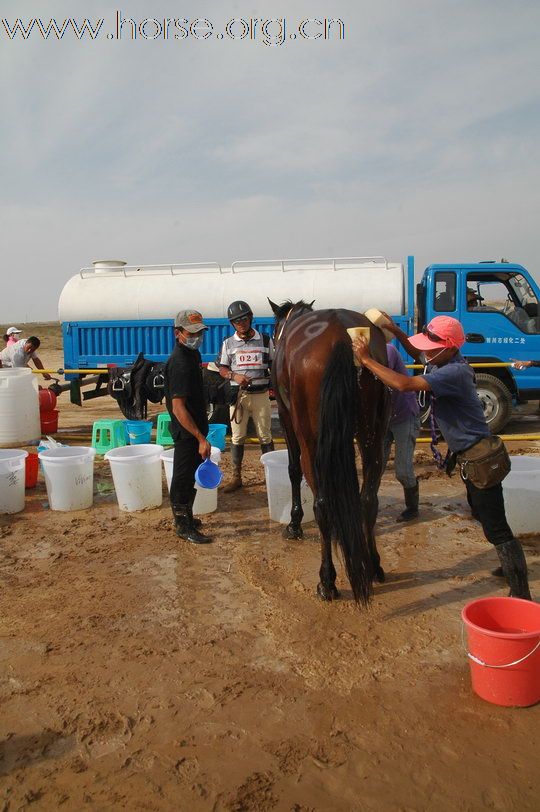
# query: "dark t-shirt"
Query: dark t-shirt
183,379
456,405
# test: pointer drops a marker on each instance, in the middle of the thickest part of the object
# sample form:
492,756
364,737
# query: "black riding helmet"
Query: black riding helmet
237,310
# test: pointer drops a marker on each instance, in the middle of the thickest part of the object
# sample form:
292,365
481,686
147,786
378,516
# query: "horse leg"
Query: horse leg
326,588
294,528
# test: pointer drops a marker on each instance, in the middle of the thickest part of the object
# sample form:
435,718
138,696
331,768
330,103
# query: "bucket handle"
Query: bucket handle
478,661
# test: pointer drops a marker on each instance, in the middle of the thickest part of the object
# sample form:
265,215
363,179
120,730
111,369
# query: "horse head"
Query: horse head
287,311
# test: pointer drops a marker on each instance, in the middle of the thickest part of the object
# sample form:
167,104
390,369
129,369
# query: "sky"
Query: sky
418,132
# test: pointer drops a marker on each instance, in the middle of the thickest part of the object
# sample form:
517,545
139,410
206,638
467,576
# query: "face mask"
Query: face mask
193,342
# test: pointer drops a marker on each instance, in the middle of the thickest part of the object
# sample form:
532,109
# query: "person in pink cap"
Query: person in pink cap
450,382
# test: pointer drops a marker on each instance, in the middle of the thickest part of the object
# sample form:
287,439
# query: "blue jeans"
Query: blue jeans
404,435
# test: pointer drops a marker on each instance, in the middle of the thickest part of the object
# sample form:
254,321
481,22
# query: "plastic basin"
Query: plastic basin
136,473
206,500
69,476
278,488
12,478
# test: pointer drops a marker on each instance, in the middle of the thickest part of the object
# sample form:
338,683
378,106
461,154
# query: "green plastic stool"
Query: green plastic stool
108,434
163,433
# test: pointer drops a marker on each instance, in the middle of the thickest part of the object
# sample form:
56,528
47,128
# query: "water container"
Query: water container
278,487
49,422
216,435
69,476
205,500
136,473
521,490
139,432
31,470
47,400
12,476
19,407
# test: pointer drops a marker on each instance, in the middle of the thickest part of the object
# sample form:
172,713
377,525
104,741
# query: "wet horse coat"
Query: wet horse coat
325,403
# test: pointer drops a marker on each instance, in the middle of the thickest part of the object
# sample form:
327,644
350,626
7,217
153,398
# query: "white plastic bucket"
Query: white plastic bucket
19,407
12,462
136,473
521,490
278,487
69,476
205,500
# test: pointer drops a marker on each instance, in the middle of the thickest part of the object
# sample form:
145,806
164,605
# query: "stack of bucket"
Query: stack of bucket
48,415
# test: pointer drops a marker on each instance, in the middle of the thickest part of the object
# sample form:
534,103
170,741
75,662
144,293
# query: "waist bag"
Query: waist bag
486,463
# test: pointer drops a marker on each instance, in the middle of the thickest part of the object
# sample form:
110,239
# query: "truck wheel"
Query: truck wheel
496,401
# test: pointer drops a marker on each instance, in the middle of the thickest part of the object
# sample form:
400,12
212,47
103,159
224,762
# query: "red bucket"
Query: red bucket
47,400
31,470
49,422
504,650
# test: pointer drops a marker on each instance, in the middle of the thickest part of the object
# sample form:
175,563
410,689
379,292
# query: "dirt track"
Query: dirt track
138,672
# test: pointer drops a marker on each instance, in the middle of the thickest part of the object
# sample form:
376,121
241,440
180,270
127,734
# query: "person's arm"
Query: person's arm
402,337
39,365
186,421
395,380
234,377
525,364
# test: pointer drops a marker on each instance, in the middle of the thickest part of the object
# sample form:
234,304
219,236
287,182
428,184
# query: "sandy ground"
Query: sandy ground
139,672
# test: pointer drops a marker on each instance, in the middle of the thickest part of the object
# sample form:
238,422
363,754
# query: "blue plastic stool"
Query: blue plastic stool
163,431
108,434
216,435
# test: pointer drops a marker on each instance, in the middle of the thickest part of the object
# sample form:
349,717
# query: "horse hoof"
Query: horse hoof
293,533
327,594
379,574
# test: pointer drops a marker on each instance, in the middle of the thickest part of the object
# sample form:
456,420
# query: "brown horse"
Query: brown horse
324,403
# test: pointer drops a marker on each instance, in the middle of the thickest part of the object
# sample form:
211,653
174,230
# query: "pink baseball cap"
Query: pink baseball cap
441,332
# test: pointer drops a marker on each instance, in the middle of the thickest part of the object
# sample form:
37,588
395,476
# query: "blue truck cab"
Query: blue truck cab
498,306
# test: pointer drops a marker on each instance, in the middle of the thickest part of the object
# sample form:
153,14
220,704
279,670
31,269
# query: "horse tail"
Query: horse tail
338,492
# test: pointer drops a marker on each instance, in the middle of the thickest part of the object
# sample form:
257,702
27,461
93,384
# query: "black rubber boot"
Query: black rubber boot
266,447
237,455
185,527
514,566
411,503
196,522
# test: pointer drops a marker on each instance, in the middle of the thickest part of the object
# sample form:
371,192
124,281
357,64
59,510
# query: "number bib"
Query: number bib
252,359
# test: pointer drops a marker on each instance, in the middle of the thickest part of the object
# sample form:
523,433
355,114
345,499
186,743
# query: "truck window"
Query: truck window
445,291
512,297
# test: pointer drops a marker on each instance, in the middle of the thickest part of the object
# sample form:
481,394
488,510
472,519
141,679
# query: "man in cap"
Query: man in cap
184,397
458,411
21,352
245,362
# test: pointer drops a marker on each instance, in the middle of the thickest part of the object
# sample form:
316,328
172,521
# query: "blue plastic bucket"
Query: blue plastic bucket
208,474
138,431
216,435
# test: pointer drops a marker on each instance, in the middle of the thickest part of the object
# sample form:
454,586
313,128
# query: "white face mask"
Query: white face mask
193,342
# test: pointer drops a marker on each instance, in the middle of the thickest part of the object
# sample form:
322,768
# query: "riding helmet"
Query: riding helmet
238,309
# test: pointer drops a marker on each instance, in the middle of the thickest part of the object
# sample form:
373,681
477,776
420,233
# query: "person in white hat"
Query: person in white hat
12,335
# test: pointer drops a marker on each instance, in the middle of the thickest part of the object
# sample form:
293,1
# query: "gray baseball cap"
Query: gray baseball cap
190,320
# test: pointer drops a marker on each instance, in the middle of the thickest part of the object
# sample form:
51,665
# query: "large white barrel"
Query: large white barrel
115,292
19,407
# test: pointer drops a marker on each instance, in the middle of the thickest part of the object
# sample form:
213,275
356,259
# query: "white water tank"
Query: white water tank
19,407
112,290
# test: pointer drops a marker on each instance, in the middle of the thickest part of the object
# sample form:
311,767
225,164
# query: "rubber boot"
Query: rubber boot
266,447
411,503
196,522
237,454
514,566
185,528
